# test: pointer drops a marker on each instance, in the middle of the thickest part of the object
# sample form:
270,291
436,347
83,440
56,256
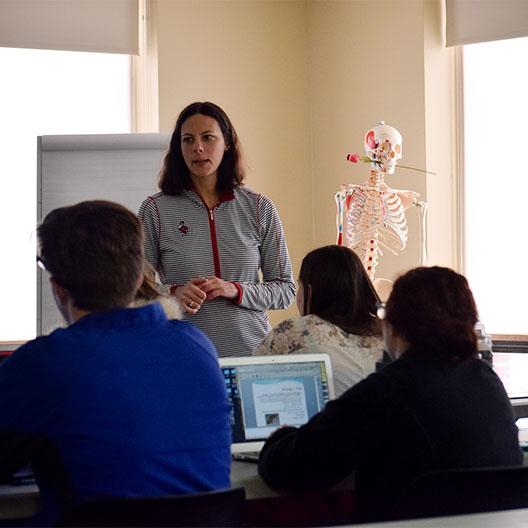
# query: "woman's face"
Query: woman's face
203,146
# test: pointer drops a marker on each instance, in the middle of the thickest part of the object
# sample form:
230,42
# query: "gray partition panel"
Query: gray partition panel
123,168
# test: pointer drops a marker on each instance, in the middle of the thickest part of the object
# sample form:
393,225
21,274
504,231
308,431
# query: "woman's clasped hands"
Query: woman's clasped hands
200,289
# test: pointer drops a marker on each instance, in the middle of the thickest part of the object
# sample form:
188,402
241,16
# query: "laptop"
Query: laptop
267,392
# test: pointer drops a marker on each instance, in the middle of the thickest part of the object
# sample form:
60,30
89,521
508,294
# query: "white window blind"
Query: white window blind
122,168
472,21
109,26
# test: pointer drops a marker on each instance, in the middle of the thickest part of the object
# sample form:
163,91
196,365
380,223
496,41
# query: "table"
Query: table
509,518
23,501
18,502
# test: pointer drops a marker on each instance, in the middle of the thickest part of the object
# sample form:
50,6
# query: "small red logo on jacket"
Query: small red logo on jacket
183,229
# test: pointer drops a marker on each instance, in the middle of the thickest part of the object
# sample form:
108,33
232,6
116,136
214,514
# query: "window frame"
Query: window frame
144,95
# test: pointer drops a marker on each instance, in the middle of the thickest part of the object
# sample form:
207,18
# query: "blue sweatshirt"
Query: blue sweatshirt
121,403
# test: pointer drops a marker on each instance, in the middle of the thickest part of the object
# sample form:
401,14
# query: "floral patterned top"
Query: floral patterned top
353,356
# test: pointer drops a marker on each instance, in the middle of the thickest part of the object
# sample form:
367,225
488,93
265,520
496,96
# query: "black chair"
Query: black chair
214,508
463,491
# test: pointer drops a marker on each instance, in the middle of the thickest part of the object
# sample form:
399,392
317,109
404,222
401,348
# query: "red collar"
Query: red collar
226,196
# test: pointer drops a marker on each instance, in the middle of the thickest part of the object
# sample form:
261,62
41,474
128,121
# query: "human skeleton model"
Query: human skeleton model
372,216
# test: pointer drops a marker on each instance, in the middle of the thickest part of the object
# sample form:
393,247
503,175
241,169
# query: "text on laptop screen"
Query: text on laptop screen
265,396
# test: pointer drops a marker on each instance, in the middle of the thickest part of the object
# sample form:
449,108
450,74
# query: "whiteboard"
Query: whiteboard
123,168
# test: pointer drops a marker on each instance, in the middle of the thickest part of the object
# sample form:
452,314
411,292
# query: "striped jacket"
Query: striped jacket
241,235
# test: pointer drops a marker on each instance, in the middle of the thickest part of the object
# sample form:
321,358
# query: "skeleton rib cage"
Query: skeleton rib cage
371,217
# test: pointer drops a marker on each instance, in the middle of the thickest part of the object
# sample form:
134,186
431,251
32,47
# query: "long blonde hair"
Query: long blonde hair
150,291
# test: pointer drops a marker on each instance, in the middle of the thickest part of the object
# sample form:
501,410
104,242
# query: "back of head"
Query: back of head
175,177
340,290
94,250
434,310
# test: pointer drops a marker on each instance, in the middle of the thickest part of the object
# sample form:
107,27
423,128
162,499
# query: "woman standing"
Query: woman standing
208,236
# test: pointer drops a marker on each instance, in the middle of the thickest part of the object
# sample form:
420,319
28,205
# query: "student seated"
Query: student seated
435,407
122,402
151,291
337,303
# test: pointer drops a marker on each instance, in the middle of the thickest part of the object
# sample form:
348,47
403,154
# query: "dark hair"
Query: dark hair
175,177
341,291
434,310
95,251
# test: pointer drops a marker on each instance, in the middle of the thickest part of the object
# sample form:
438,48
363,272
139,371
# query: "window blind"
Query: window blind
109,26
471,21
122,168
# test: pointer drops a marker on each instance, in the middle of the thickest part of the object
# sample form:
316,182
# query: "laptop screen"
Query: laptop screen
267,392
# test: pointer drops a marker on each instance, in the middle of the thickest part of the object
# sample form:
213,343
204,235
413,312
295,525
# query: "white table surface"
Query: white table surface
502,519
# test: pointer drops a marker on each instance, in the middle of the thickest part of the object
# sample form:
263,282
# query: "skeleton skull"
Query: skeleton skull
383,145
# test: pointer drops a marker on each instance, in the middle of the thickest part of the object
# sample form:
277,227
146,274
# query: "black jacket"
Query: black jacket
412,417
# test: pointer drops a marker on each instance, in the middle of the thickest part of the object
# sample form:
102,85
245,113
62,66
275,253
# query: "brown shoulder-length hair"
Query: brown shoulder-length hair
175,177
340,290
434,310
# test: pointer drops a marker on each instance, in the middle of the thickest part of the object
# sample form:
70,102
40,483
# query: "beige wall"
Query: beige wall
367,66
303,82
251,58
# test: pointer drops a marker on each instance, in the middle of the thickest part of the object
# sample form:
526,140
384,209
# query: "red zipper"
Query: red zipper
214,242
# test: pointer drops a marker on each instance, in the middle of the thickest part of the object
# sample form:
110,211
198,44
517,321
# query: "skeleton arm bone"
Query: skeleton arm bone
407,198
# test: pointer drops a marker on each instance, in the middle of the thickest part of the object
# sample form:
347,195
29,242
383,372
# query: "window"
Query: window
45,92
496,183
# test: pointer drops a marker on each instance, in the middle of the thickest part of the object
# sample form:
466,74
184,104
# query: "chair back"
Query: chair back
214,508
464,491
